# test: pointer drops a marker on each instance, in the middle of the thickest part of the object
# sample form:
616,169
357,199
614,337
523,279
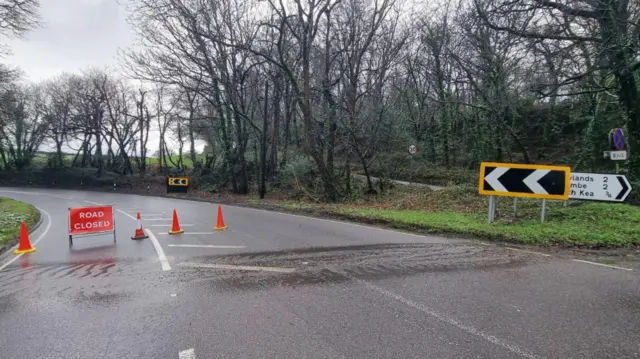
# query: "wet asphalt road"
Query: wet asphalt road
326,290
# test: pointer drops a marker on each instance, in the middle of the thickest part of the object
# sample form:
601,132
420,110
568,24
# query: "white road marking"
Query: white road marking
526,251
602,264
187,354
451,321
37,194
162,233
126,214
205,246
168,225
158,219
485,244
236,267
163,258
96,203
46,229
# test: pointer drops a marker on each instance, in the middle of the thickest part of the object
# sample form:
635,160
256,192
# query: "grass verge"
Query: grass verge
13,212
461,212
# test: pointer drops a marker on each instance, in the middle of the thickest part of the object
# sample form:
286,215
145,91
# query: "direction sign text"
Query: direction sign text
599,187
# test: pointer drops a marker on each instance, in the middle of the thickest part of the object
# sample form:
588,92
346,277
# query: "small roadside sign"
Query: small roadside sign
599,187
413,149
616,138
617,155
177,184
520,180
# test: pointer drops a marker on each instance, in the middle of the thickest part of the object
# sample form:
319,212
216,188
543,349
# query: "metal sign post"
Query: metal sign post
412,151
492,208
543,210
616,142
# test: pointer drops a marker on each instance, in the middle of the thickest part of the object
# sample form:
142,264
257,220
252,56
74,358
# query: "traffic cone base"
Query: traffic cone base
24,245
175,227
139,234
23,251
220,226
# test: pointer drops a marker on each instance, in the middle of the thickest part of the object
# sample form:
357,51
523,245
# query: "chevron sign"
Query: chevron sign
530,181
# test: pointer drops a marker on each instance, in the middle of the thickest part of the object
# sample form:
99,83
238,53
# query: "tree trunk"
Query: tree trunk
273,165
263,143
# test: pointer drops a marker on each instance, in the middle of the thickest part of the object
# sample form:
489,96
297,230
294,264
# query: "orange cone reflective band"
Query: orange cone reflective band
25,244
220,224
175,228
139,231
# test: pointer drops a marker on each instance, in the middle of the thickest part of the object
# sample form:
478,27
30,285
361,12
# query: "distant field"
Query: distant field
41,159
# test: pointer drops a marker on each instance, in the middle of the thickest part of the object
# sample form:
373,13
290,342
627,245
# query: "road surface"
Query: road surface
282,286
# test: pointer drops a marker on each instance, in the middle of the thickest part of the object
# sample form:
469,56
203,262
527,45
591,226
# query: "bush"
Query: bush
402,166
301,168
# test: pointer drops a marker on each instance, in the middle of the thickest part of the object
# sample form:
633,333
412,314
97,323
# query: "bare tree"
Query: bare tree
607,29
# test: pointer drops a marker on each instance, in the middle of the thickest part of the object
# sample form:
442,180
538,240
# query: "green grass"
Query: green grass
458,212
13,212
593,225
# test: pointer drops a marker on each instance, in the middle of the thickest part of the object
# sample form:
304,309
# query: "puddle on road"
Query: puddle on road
324,265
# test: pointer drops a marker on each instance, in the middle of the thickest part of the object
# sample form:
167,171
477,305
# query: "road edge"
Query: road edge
33,228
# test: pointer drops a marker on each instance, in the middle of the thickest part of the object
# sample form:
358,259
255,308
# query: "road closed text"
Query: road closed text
90,220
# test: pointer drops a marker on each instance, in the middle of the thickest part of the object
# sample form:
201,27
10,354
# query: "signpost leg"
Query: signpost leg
492,208
114,225
617,168
70,241
515,207
543,211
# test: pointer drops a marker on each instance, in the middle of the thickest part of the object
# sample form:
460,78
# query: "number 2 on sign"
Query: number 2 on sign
605,186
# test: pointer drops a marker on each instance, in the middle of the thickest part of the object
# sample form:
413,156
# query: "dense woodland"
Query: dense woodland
336,85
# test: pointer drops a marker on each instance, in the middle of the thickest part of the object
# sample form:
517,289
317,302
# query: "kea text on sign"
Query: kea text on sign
599,187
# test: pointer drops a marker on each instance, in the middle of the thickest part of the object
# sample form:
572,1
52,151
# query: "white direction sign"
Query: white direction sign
599,187
413,149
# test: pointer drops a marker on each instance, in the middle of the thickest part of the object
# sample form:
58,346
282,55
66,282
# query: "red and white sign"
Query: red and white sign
91,220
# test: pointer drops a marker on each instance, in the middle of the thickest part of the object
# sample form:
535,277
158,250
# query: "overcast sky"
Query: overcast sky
76,34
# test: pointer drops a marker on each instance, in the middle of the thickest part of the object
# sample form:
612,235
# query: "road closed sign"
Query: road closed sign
89,220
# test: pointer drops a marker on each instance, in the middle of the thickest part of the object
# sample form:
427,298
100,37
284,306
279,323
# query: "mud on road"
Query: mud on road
346,263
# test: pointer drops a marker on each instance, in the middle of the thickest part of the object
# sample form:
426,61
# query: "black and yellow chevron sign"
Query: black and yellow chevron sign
177,184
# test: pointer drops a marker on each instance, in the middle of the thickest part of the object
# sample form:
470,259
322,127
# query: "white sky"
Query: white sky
75,35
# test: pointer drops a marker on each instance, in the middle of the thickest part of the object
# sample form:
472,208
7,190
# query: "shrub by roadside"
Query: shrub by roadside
13,212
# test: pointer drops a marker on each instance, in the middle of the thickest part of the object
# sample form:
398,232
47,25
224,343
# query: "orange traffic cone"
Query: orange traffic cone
175,228
25,244
220,225
139,231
